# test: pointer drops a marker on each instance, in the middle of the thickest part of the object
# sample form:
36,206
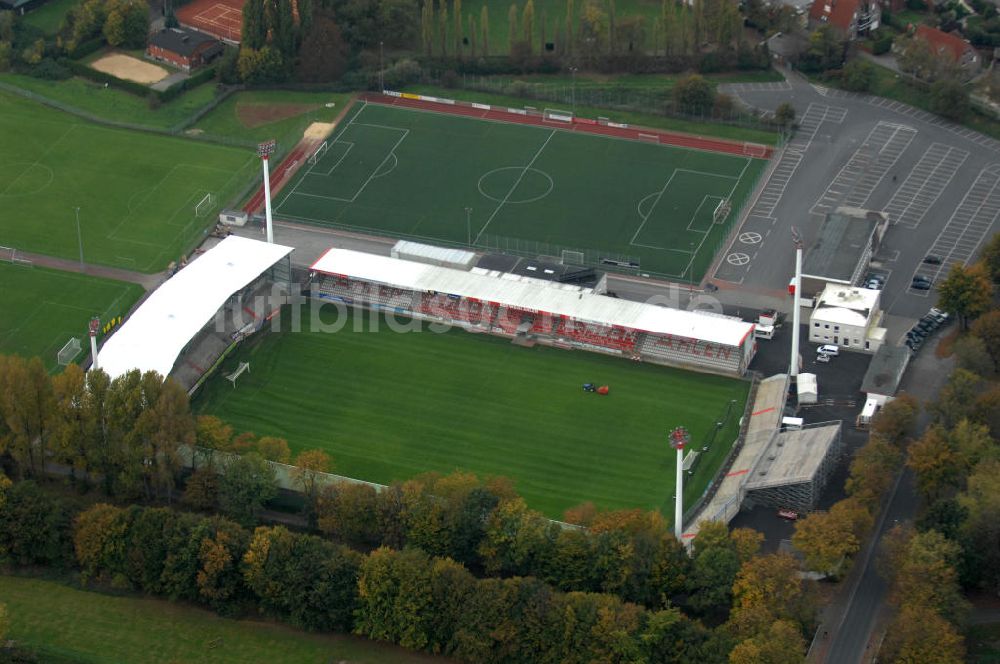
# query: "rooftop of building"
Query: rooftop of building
843,236
886,370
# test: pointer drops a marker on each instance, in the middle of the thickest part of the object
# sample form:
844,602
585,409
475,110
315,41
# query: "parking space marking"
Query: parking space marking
963,132
922,187
968,226
866,168
814,116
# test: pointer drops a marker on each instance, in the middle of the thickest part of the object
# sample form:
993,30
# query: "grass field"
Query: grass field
64,624
983,642
113,104
224,120
136,192
49,16
413,173
44,308
388,406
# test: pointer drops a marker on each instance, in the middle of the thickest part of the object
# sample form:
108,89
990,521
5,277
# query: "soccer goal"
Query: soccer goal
556,115
570,257
755,150
69,351
722,211
10,255
319,153
205,205
240,370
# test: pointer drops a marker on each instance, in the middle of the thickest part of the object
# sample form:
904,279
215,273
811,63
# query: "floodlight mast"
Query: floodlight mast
95,326
796,303
265,150
679,437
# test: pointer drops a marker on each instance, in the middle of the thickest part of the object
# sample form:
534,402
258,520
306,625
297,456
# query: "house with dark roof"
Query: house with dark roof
183,47
852,18
947,45
843,248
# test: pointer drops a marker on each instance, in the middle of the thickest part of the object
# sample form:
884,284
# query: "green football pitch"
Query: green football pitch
388,404
530,189
43,308
136,192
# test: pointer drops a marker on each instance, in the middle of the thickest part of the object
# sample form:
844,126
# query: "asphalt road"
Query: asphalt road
852,617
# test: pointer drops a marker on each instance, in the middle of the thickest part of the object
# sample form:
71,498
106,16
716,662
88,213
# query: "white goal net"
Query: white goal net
69,352
234,376
319,153
722,211
557,115
205,205
755,150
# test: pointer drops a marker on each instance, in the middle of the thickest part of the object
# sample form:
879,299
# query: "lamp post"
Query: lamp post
265,150
793,370
679,437
79,237
95,327
572,71
381,83
468,226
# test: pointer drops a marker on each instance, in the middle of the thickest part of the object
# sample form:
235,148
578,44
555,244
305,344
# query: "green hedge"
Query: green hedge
139,89
85,48
83,70
174,91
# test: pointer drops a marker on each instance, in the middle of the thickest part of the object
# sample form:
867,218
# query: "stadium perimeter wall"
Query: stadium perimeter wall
585,125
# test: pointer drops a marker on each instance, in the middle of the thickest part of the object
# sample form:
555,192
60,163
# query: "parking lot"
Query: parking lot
938,182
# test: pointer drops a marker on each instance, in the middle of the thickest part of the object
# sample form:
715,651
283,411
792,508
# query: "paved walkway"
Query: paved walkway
147,281
765,415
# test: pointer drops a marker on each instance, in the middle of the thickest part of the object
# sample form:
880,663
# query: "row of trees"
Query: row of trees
594,27
828,540
407,596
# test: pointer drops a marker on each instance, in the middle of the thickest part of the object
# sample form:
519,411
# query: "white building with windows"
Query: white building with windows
848,317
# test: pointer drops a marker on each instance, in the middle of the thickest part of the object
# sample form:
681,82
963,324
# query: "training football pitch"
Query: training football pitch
388,405
530,189
136,192
44,308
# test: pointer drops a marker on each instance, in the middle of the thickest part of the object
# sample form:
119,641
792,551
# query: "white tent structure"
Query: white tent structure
156,333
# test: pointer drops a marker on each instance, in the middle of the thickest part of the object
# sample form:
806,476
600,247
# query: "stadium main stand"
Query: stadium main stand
536,311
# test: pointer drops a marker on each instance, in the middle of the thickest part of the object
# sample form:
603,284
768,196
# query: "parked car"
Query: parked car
823,358
931,259
921,283
788,515
828,349
873,284
939,314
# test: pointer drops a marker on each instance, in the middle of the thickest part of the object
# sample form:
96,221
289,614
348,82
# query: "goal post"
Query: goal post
69,351
205,205
557,115
318,153
244,367
756,150
722,211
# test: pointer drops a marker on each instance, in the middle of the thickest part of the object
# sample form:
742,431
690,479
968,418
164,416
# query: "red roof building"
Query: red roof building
850,17
948,45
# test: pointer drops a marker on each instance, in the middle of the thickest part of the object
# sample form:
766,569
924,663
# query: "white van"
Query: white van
829,349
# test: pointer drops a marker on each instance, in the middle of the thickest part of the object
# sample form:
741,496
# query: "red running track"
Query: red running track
278,175
579,124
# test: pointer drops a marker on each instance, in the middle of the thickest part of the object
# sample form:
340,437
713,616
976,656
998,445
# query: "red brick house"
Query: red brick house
184,48
850,17
949,46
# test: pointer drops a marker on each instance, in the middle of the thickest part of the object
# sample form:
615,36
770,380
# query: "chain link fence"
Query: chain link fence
651,100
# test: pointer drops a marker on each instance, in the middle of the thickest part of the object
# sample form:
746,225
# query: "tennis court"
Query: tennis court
468,181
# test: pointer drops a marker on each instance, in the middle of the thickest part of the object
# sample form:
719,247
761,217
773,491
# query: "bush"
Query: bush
34,528
401,74
83,49
50,70
881,42
858,76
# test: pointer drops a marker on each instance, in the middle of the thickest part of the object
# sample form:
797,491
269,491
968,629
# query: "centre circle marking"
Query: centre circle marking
736,258
513,201
750,237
